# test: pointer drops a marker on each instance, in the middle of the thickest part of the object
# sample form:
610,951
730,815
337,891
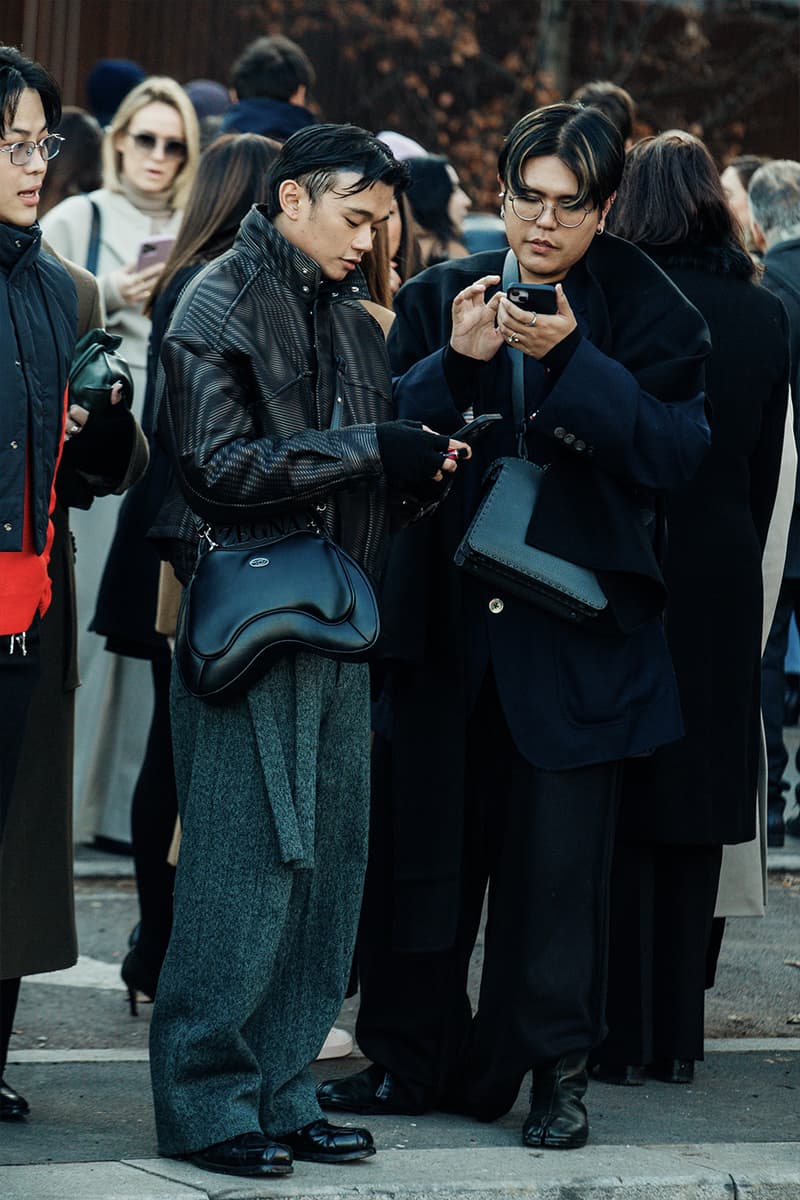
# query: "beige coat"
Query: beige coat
743,880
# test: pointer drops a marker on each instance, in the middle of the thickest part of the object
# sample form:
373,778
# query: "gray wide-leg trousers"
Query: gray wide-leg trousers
273,792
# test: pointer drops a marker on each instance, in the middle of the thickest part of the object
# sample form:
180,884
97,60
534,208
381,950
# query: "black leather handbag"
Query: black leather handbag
250,603
96,367
494,547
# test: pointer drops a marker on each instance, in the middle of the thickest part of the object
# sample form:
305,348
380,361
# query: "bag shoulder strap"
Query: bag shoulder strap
93,253
511,275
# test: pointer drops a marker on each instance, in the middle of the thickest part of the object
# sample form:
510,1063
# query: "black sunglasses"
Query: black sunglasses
146,143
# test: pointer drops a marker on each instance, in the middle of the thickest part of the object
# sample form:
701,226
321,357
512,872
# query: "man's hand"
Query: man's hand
412,454
474,332
535,333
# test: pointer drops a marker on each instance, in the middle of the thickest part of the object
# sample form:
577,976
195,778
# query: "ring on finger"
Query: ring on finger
533,320
74,428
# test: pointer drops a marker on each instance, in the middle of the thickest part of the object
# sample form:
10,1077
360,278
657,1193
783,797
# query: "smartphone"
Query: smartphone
154,250
475,429
534,297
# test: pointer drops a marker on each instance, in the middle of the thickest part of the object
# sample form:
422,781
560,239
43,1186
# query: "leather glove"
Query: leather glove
410,456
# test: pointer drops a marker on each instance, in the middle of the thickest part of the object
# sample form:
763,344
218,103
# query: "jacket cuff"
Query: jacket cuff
461,374
557,359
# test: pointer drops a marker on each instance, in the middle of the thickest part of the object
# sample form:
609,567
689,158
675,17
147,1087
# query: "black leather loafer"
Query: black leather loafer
321,1142
557,1119
249,1154
371,1092
13,1107
621,1074
672,1070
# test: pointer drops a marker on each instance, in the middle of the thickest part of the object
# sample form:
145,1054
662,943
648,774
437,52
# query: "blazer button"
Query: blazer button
580,446
559,432
569,438
496,605
8,527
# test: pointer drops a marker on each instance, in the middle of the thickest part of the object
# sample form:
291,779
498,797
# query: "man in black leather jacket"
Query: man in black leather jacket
278,402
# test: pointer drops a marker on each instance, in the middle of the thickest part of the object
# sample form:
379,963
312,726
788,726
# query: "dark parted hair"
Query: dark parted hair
583,138
316,155
611,99
429,194
272,67
18,73
231,177
671,195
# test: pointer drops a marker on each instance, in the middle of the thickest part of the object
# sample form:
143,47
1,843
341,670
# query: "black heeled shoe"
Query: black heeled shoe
138,976
620,1074
672,1070
13,1107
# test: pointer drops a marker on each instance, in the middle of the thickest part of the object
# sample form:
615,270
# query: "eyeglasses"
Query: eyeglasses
146,143
21,153
531,208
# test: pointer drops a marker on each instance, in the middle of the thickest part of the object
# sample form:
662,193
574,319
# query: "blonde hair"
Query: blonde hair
157,89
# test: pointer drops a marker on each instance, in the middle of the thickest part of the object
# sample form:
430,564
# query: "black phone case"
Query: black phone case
534,297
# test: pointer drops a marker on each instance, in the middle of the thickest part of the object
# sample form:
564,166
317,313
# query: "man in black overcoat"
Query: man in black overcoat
503,727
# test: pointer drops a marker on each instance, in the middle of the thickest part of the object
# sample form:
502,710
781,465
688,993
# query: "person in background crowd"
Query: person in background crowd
231,178
107,85
211,100
403,247
439,204
684,801
150,156
735,182
261,343
270,83
774,197
507,725
617,104
77,168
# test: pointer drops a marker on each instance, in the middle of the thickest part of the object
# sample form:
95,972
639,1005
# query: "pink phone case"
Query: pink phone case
154,250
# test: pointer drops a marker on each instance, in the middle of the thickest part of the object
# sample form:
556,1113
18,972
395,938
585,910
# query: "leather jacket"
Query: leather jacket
272,380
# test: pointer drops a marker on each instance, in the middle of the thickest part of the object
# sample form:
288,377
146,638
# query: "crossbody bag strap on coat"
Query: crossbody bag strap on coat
93,252
495,549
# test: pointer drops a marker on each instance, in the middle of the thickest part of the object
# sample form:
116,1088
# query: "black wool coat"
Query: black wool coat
702,790
631,399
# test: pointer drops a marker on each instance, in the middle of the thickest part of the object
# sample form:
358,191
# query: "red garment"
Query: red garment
24,580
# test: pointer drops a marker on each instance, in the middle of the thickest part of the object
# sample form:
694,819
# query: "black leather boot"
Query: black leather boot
557,1119
371,1092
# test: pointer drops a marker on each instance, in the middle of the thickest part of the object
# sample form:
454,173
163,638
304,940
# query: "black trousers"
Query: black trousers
153,813
662,908
543,841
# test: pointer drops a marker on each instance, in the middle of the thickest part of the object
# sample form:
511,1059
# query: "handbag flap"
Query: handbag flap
235,586
501,524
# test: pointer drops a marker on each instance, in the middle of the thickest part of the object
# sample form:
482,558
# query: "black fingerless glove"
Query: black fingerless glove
410,456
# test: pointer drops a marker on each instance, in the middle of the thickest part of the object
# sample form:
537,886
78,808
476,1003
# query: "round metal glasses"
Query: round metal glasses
530,208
